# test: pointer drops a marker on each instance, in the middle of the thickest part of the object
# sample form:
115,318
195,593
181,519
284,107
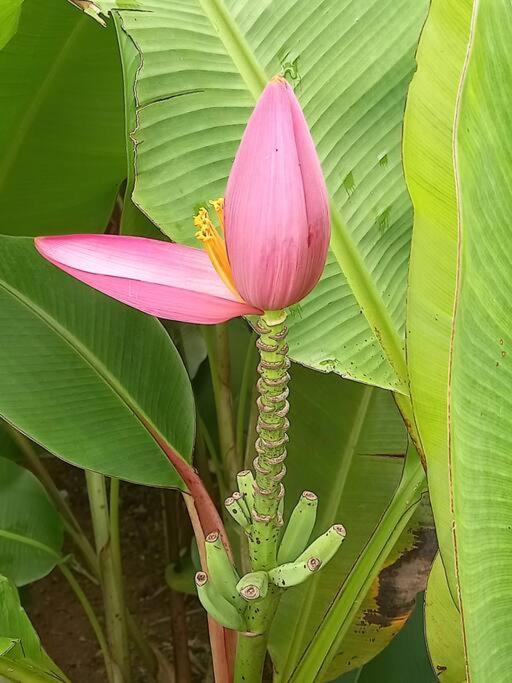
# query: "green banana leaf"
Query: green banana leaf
392,597
21,653
133,221
62,147
8,447
443,628
27,512
344,436
482,371
9,16
339,617
428,136
460,274
404,661
203,63
93,381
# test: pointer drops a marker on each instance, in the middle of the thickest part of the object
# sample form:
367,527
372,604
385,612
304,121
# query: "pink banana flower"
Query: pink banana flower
275,223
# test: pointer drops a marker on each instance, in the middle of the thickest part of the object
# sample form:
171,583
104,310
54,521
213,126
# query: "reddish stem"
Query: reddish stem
205,519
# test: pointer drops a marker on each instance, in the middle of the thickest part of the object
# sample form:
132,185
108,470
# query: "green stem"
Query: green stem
251,651
217,344
210,445
93,620
108,552
272,438
75,586
263,534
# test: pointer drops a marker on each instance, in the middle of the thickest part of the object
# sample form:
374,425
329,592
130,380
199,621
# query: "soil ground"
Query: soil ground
58,617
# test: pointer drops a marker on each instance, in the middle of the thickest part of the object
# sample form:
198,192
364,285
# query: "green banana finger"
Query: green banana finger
326,545
218,607
253,585
299,528
293,573
235,510
245,480
236,495
222,573
311,560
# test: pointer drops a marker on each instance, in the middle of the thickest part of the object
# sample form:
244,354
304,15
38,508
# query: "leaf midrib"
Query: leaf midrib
91,360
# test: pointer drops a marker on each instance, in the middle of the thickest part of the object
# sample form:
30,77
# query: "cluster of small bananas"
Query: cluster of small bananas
225,595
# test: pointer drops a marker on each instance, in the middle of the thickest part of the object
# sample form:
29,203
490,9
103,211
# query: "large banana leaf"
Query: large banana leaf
343,436
95,382
26,512
481,409
203,63
428,136
62,148
471,468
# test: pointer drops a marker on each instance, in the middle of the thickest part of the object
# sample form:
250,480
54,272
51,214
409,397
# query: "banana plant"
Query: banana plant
357,220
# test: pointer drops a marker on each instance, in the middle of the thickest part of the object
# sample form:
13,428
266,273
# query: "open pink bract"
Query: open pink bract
276,225
166,280
276,205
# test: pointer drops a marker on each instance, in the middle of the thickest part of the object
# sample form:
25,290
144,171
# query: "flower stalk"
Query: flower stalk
272,427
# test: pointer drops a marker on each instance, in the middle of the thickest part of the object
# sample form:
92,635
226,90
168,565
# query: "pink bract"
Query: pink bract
276,205
276,228
166,280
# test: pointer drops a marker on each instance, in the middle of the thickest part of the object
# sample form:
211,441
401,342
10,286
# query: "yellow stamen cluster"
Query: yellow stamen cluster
218,207
212,241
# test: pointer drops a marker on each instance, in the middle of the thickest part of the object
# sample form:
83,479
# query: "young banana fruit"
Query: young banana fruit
299,528
311,560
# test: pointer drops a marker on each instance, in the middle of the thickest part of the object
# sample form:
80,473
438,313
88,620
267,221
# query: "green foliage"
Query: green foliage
62,152
343,435
86,376
8,447
99,384
21,653
458,164
428,135
9,16
480,407
201,72
26,512
443,628
403,661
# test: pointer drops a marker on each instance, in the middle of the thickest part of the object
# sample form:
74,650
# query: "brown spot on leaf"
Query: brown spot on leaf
398,584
